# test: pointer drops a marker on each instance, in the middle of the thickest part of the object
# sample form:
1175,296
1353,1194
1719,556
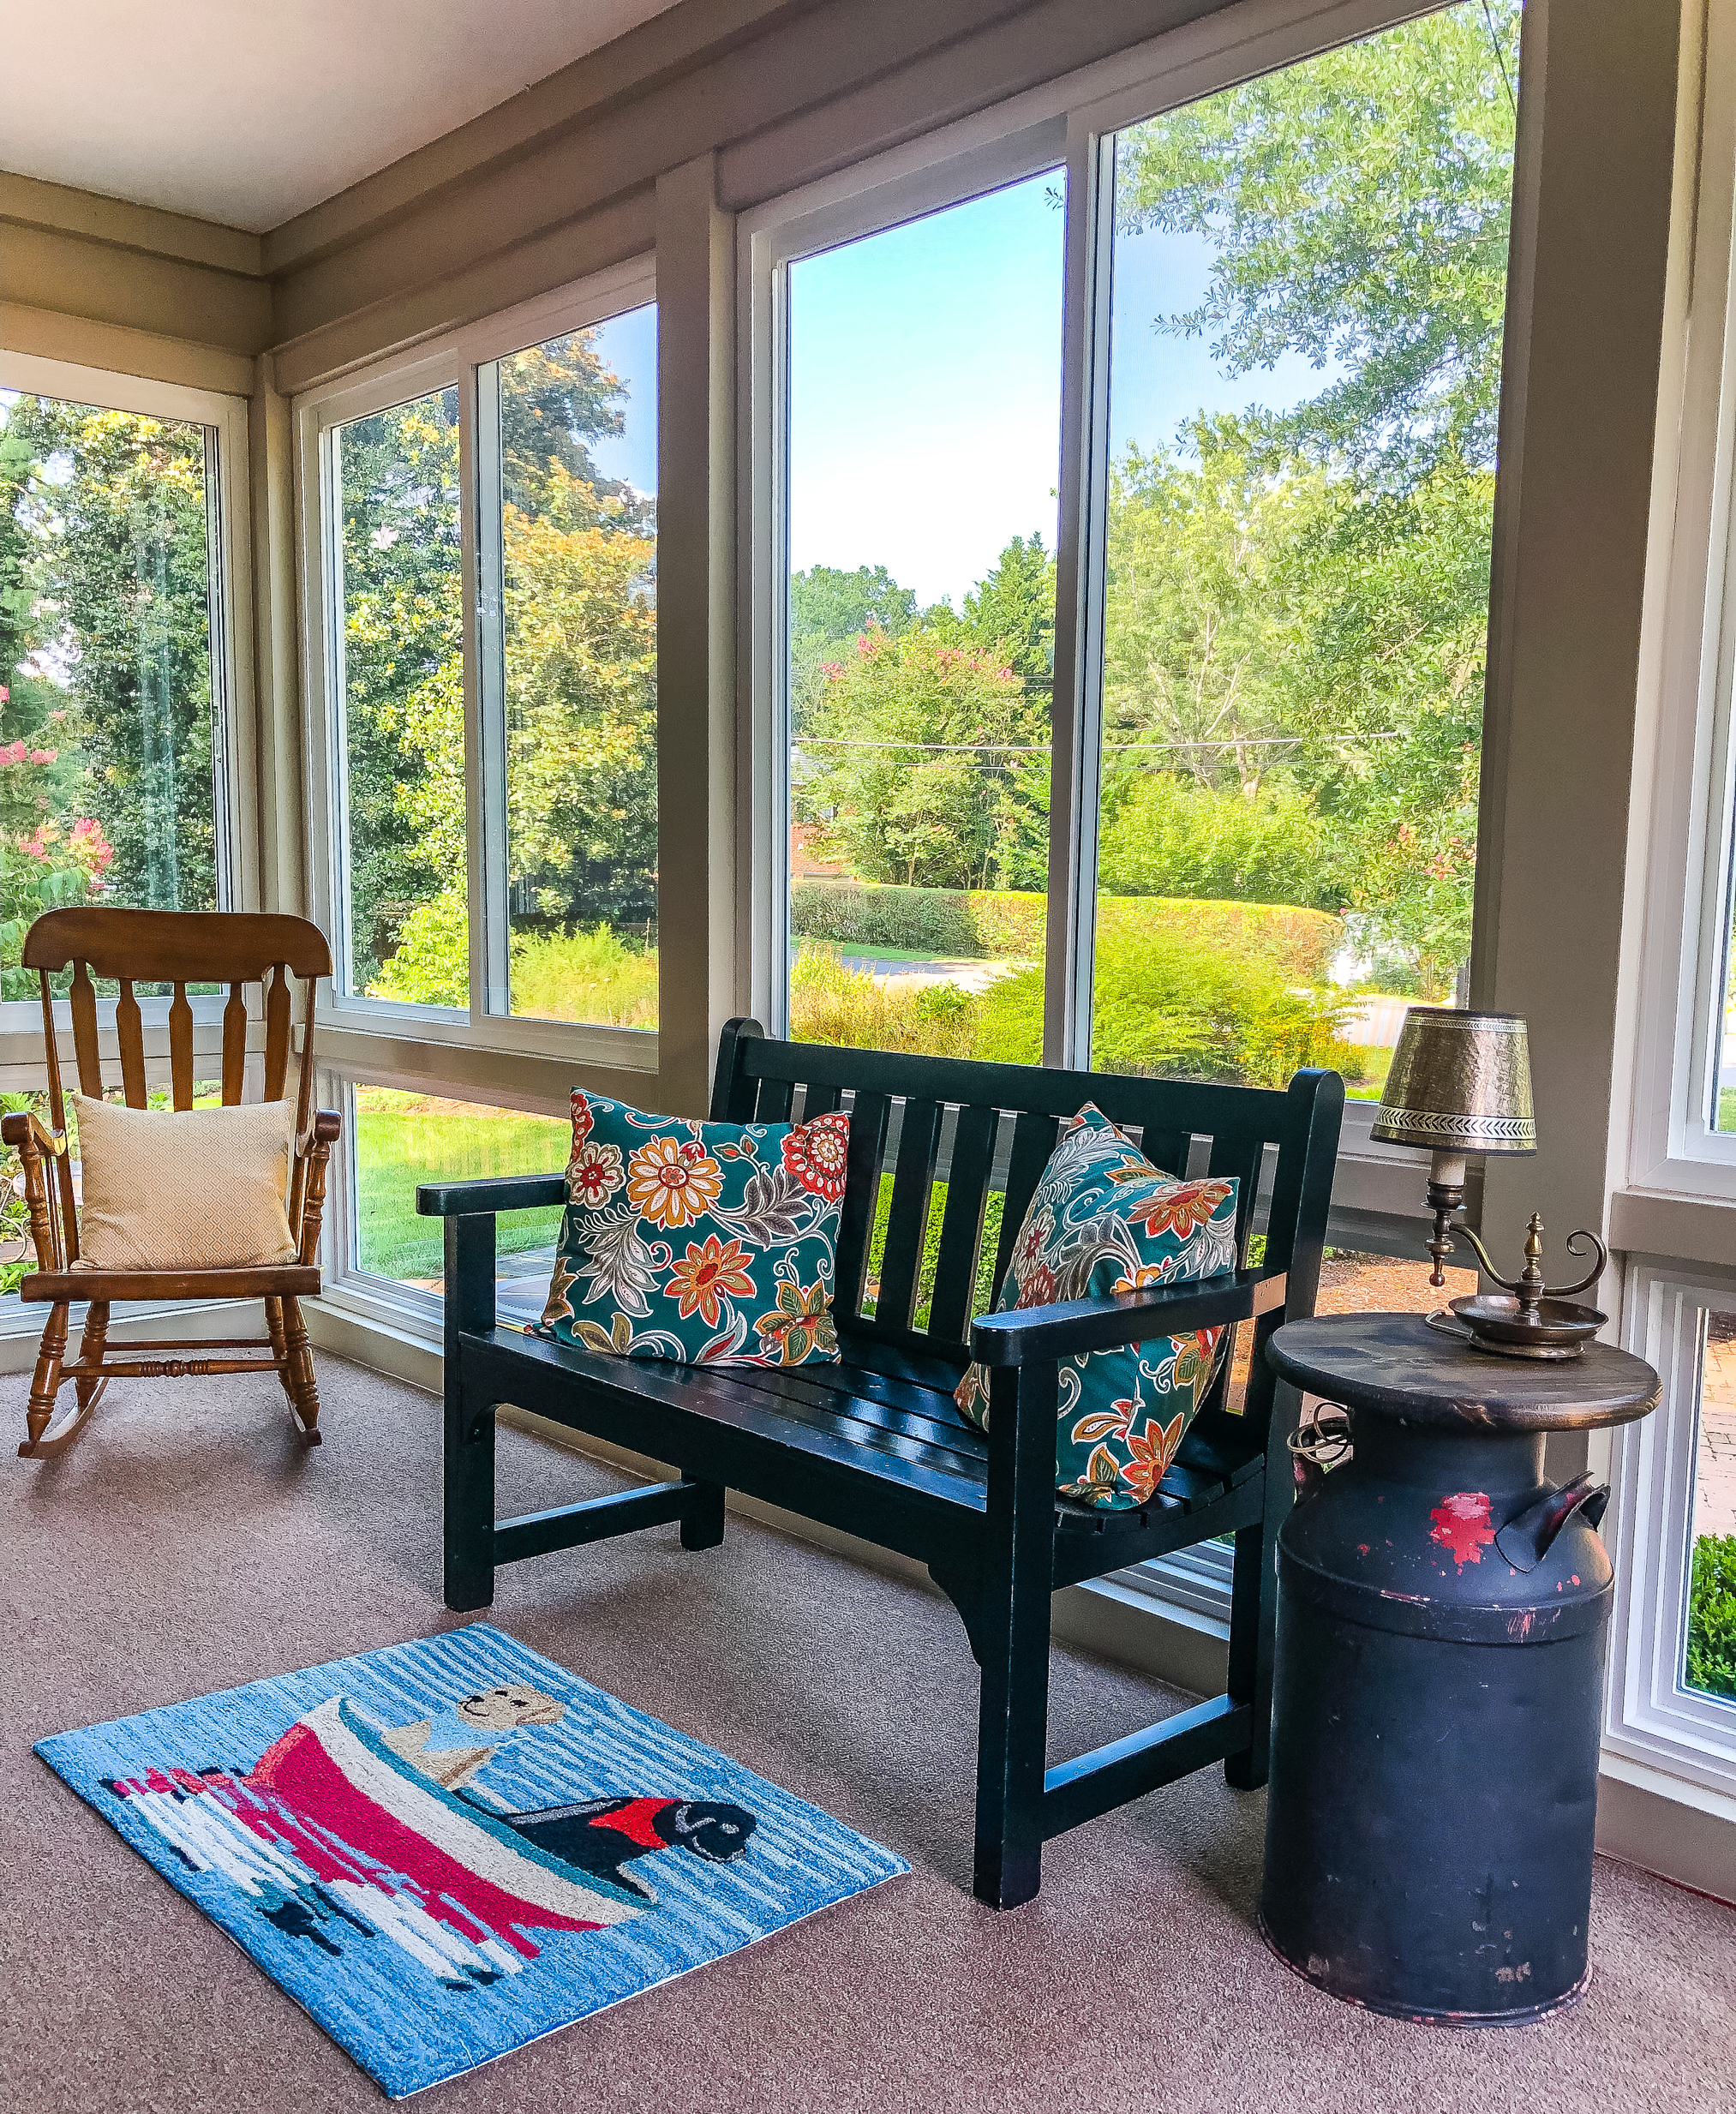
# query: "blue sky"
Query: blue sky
628,343
926,383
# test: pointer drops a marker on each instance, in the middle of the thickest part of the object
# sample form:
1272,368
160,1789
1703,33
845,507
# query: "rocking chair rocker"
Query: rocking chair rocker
178,948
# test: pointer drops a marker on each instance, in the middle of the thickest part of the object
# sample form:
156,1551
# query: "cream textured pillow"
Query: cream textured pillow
199,1188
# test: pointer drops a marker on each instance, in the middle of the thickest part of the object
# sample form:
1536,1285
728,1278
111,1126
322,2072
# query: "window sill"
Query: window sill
1668,1223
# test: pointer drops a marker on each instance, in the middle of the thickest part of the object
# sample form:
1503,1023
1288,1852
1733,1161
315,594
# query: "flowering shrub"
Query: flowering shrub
42,867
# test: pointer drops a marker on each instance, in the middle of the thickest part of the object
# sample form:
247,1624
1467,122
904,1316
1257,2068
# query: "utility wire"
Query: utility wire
1110,748
1500,59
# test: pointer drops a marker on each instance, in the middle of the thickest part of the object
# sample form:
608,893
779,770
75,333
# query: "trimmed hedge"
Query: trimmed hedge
1712,1615
1008,924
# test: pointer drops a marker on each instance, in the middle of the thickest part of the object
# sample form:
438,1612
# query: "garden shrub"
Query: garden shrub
585,975
1009,925
852,914
1712,1615
845,1008
982,1299
1171,836
592,975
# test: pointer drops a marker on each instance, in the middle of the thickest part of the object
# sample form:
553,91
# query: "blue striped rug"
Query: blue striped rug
443,1850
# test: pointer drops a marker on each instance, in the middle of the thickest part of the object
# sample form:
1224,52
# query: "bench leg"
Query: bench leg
470,1502
1012,1730
1254,1600
702,1523
1012,1638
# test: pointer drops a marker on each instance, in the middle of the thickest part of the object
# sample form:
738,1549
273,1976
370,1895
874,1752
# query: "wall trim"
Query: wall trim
116,348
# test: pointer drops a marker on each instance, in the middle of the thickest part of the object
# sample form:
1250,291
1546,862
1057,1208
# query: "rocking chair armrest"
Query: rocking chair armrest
320,1135
1070,1328
24,1128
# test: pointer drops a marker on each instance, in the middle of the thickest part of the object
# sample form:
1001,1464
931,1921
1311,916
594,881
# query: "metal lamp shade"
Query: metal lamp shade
1460,1082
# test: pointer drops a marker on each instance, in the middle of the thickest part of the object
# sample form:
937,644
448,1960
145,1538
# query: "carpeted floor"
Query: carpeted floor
188,1544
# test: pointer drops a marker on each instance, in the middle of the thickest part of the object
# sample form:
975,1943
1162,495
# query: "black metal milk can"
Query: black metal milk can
1442,1615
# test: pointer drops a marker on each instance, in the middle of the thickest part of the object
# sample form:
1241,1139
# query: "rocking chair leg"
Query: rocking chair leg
92,1343
45,1383
280,1351
303,1389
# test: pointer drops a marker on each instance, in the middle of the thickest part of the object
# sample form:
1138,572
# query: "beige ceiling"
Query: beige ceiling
249,111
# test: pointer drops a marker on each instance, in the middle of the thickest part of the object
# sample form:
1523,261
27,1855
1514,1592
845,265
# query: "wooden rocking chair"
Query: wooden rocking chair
177,947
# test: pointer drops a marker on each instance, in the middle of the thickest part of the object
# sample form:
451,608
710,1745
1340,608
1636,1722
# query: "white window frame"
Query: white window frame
229,573
451,361
234,727
1650,1716
1673,1149
1068,124
1064,122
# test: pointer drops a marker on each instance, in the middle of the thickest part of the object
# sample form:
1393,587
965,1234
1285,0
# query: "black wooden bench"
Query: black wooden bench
875,1445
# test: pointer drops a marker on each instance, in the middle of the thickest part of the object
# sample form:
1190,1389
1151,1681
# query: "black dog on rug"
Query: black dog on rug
603,1836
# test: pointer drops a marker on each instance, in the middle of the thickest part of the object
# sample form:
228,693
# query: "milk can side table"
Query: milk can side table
1442,1617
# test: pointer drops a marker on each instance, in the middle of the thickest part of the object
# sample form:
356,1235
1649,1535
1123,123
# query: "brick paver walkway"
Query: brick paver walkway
1714,1507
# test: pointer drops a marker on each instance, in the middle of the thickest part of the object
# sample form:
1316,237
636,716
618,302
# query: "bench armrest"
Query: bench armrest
482,1199
1074,1327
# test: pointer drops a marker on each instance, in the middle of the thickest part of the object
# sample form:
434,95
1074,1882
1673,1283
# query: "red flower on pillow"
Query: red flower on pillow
1152,1450
584,1123
1037,1286
709,1273
1180,1207
818,1154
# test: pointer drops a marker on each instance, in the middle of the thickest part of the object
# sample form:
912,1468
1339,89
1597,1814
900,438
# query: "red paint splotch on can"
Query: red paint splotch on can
1462,1526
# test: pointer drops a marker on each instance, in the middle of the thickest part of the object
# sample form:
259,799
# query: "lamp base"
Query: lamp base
1445,1196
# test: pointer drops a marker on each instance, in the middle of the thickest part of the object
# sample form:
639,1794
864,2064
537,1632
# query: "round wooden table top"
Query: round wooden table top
1395,1365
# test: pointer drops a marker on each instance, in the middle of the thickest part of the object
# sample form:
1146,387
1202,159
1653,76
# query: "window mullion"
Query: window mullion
486,703
1076,769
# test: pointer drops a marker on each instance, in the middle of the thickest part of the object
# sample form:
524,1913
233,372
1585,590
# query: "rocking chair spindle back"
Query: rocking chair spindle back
175,948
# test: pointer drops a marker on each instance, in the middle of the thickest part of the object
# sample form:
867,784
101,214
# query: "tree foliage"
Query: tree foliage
1357,207
104,569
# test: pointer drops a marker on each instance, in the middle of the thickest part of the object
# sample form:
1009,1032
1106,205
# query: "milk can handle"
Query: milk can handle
1526,1538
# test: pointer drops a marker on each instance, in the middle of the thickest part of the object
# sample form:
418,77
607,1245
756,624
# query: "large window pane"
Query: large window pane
1724,1031
1709,1647
400,1139
395,479
1308,278
107,785
923,414
576,422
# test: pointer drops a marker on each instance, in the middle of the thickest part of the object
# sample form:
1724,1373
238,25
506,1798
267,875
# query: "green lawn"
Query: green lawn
1726,1108
402,1139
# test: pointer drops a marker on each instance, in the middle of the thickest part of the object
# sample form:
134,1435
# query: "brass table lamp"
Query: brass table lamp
1460,1083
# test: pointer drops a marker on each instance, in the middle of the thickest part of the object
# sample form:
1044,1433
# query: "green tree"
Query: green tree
1011,611
925,763
117,570
1357,207
832,607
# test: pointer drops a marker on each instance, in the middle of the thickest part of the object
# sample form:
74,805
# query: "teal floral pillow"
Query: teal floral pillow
1104,1219
708,1243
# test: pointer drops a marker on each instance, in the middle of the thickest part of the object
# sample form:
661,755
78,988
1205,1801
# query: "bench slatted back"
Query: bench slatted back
758,1081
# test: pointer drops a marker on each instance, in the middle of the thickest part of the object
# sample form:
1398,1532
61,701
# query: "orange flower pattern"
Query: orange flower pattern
701,1242
671,1184
1105,1221
709,1273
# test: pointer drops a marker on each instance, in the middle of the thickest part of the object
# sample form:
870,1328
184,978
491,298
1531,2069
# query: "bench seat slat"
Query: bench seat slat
663,1408
938,1369
877,1405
